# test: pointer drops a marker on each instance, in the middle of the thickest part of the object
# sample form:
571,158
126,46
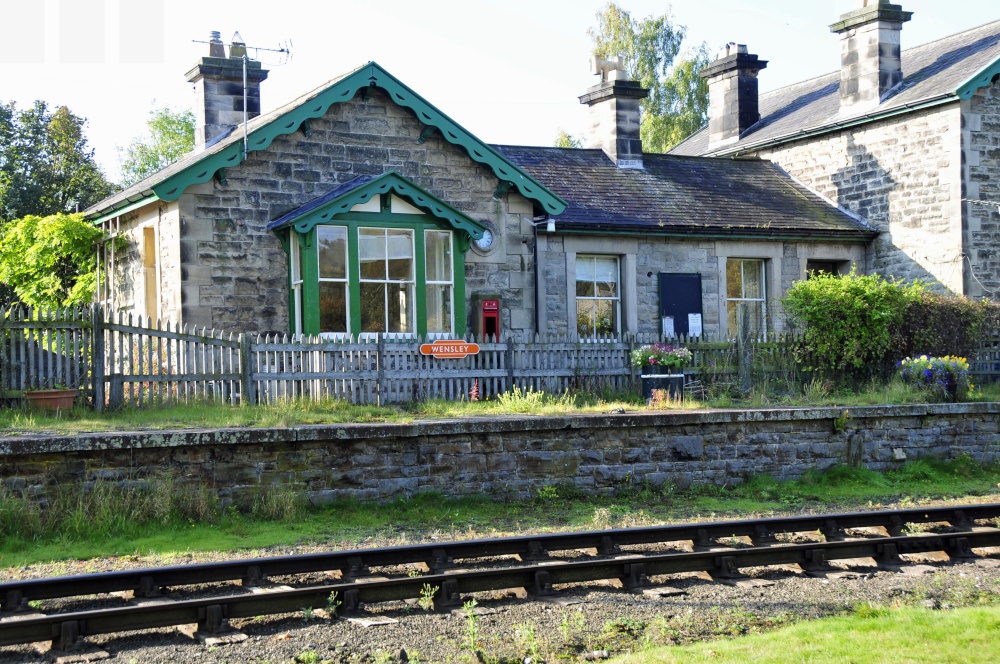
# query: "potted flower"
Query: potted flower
945,377
661,367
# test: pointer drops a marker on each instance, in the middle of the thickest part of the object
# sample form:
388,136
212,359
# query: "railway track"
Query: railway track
538,570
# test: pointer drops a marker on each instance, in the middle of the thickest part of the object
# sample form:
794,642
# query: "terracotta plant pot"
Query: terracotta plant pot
55,400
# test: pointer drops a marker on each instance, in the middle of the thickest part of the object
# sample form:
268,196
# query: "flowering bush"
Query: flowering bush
661,355
947,375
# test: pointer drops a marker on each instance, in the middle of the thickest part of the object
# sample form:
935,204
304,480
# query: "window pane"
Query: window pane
585,317
332,306
754,313
734,278
400,255
585,288
605,323
752,279
401,269
371,250
372,307
400,308
438,309
607,289
295,258
332,252
438,255
586,268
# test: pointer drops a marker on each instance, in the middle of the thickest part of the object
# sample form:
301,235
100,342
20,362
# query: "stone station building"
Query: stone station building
361,208
905,139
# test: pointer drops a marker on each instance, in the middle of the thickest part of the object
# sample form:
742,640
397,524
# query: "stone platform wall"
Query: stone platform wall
508,457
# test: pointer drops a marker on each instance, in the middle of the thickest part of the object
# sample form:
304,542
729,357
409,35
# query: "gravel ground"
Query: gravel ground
581,623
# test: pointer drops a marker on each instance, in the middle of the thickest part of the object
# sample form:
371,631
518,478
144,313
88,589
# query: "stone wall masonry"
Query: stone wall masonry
981,156
903,175
508,457
786,264
235,271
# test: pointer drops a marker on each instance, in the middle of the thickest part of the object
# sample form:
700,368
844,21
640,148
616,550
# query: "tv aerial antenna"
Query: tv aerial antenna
238,49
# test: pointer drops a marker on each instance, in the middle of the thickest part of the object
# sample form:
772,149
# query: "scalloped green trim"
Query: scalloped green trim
344,90
388,182
981,79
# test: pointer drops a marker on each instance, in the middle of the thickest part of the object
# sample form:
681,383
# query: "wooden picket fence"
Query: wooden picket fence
115,360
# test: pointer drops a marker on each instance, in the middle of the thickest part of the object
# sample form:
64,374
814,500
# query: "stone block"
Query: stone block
687,447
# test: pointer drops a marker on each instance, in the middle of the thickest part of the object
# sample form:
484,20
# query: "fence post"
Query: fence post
248,395
509,361
380,362
97,356
743,356
630,339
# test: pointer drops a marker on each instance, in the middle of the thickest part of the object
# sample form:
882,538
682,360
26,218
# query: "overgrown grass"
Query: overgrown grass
162,516
15,421
294,413
906,634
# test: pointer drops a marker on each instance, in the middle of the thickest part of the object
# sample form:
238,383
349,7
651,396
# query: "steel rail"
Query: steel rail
439,556
212,614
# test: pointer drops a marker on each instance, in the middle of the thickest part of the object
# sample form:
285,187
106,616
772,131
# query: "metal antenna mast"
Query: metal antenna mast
238,49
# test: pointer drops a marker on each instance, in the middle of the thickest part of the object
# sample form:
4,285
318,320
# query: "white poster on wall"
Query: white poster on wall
668,326
694,325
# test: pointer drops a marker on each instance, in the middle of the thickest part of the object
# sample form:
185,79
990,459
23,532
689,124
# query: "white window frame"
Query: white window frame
346,280
617,299
296,278
412,281
627,250
450,263
762,272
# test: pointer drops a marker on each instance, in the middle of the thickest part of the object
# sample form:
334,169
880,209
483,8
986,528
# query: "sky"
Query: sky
508,71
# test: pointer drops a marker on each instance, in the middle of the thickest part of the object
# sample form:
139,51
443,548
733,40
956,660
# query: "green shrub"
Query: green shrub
848,322
944,325
49,261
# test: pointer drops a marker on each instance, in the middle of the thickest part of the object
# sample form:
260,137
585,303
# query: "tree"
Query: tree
171,135
565,140
46,166
677,104
50,261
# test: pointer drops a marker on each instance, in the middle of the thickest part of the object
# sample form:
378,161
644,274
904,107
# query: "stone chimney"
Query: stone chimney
218,83
615,113
869,53
733,100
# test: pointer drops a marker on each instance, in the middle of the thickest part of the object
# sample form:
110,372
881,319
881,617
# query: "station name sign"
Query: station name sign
449,349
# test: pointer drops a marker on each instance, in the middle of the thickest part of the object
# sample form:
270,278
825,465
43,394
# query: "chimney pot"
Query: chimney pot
215,47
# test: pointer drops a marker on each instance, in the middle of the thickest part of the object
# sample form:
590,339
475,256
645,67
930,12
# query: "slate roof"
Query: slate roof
683,196
935,72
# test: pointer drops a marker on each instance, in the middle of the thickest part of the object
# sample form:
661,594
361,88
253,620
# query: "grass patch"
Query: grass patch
208,415
888,635
14,421
164,516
